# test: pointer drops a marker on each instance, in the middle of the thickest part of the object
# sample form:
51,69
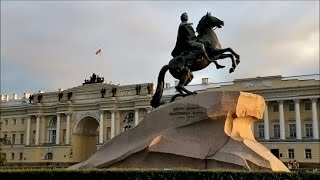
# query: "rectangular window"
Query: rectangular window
12,156
291,153
22,121
21,156
64,136
34,136
275,108
276,131
261,130
13,140
308,153
307,106
309,132
108,133
291,107
97,141
6,122
49,156
14,121
21,138
52,136
292,130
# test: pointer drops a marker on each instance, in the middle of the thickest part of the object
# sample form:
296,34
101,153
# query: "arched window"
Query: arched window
52,125
128,121
52,121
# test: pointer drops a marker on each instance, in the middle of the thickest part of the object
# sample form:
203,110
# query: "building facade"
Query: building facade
67,126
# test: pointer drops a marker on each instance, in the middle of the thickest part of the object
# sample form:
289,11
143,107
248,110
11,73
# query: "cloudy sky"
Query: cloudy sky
50,45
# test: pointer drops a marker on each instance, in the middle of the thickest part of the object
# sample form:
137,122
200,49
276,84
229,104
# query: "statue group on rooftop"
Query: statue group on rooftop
94,79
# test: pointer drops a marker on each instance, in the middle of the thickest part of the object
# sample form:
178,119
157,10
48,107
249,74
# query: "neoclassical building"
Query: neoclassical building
67,126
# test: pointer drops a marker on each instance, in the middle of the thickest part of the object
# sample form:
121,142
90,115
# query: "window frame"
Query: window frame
49,156
291,107
261,130
21,138
52,136
275,107
308,155
21,156
292,130
307,106
291,153
308,130
276,132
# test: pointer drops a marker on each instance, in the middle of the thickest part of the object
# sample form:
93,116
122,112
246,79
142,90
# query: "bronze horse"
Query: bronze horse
181,70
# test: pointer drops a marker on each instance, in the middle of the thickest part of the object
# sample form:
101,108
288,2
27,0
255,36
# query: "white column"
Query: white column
58,129
118,125
37,130
113,124
298,119
281,119
101,128
68,129
136,117
266,122
315,127
28,131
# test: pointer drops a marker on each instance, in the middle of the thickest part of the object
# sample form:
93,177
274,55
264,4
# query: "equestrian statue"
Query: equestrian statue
193,53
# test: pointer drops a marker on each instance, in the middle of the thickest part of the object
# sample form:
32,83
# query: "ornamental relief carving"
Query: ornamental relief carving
257,84
88,96
80,115
280,94
86,108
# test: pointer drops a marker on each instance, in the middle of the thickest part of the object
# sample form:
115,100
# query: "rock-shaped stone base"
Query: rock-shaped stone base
206,130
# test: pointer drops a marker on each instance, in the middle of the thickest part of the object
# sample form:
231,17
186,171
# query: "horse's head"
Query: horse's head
208,21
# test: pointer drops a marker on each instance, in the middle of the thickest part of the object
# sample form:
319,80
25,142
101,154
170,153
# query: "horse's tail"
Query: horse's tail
155,102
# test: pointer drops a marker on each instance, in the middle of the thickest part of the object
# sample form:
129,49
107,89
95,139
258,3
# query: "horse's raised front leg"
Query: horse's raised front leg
235,54
223,56
221,51
218,66
234,62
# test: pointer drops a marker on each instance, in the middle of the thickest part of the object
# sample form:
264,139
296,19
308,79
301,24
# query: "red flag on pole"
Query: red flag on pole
98,52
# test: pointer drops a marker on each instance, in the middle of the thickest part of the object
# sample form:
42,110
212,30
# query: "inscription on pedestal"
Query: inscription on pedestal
187,112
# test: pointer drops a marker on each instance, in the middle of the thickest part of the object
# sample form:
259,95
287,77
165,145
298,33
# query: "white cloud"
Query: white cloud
54,42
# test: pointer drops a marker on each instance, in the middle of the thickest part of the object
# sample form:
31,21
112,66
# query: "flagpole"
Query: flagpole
100,64
99,52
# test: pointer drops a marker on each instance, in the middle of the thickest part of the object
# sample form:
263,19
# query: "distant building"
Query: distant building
63,128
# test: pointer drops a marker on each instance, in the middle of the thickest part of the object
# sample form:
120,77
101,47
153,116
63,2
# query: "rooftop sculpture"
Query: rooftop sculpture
94,79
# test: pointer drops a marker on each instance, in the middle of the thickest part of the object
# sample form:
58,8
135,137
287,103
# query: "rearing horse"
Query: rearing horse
181,70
